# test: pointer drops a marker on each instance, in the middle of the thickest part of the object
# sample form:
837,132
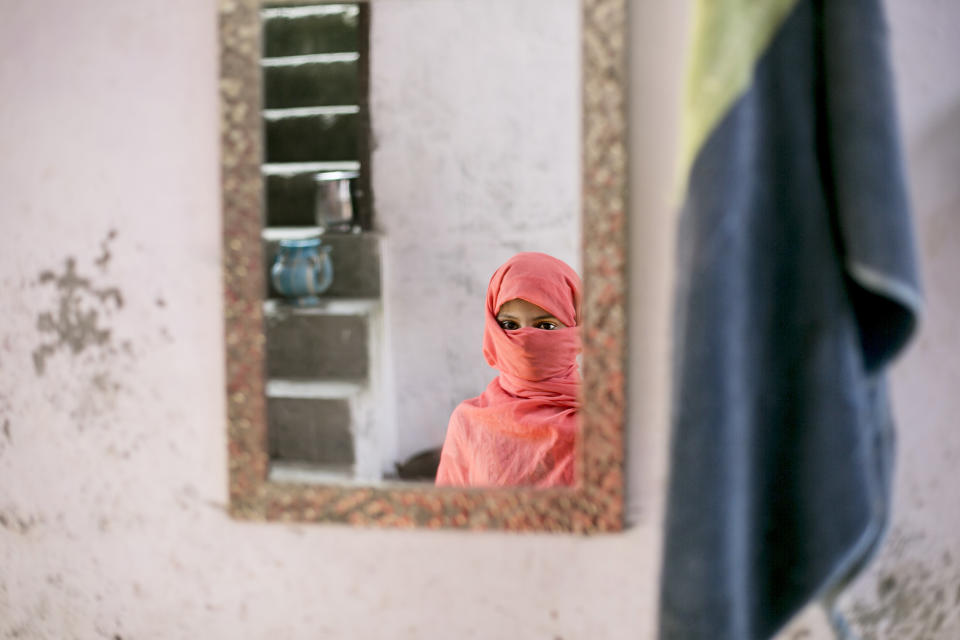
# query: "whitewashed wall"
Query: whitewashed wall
112,462
475,108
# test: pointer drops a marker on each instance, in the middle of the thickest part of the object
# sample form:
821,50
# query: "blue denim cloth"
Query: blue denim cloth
797,285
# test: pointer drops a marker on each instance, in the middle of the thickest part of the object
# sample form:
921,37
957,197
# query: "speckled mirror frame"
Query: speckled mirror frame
596,504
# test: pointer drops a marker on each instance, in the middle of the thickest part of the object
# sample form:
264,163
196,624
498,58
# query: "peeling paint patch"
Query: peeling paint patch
75,323
7,439
6,435
912,598
19,631
105,254
98,398
12,521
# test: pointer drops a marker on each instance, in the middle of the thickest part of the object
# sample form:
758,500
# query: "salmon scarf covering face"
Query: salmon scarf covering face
522,430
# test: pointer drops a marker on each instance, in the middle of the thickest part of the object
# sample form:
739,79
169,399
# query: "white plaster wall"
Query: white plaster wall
475,108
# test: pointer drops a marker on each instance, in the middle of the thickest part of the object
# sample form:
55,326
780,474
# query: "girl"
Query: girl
522,430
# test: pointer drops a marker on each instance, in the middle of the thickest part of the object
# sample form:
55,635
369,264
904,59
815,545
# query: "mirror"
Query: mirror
420,144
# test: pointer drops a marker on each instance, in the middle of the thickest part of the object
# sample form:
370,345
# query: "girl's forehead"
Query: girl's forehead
556,296
519,305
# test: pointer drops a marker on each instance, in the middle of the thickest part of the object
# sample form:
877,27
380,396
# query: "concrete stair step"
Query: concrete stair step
296,472
309,429
311,134
308,81
290,191
355,257
319,389
314,343
325,28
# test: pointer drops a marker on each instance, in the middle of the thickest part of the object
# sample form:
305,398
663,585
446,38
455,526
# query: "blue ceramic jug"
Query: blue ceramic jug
302,270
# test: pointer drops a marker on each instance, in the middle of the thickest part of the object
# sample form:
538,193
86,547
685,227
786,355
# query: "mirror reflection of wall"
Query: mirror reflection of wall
474,114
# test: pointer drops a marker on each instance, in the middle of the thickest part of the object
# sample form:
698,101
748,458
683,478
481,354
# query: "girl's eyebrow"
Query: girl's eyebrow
506,316
546,317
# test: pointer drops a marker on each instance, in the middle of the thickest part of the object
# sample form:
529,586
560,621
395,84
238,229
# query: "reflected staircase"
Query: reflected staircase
322,362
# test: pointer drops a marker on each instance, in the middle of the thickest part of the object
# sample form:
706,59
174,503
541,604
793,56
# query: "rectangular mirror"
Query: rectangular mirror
404,149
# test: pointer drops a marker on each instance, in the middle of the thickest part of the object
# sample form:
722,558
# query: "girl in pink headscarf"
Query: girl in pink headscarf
522,430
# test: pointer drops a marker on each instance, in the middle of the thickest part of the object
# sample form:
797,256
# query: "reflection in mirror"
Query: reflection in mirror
467,130
411,147
522,429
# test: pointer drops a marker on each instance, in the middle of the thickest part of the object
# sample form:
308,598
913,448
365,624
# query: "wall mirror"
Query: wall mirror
407,148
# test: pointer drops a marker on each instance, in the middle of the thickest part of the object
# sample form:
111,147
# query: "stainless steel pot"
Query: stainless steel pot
335,200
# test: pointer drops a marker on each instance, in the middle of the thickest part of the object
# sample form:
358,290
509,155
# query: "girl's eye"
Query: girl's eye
509,325
546,325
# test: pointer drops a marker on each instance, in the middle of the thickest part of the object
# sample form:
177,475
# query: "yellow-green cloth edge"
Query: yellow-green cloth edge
728,38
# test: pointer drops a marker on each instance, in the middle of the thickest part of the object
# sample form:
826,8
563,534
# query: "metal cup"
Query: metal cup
334,200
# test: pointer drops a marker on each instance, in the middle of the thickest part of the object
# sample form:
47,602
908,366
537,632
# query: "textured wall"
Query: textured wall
112,461
475,108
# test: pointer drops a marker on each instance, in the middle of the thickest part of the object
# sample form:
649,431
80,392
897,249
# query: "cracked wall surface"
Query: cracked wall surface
75,323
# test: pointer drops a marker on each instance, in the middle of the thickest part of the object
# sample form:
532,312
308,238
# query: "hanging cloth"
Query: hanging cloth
797,284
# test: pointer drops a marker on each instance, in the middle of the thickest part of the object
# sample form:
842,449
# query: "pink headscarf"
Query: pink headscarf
522,430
